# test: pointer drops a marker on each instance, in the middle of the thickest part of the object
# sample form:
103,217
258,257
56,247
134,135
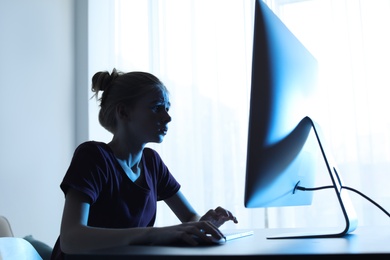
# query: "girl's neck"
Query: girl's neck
125,151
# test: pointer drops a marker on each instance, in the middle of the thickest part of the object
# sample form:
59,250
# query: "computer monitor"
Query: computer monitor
283,140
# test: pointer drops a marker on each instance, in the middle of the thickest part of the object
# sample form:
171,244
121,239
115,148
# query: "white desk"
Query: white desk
373,242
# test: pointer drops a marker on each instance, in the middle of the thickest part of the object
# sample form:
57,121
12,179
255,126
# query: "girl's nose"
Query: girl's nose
167,117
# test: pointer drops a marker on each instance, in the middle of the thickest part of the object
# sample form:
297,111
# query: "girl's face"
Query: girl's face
149,118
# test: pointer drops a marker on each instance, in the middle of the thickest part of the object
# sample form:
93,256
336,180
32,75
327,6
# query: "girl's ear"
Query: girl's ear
122,111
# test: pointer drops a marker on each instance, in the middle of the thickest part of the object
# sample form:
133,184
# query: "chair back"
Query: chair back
5,227
17,248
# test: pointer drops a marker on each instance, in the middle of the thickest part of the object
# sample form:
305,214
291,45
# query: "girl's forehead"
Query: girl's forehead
157,97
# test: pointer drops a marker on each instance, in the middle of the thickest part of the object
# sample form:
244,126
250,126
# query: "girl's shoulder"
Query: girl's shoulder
93,145
93,148
149,151
151,156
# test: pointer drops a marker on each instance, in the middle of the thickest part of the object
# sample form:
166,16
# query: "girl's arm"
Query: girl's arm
182,208
186,213
76,236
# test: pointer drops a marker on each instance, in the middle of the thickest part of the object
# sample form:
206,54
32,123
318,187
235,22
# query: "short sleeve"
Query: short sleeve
88,170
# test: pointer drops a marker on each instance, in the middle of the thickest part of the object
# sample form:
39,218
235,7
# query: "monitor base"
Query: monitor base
344,201
319,233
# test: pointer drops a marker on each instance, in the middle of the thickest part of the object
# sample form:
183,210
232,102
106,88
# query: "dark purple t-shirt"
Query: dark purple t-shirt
115,200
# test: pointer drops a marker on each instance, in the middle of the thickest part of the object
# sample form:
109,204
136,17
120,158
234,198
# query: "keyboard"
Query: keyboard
237,234
229,235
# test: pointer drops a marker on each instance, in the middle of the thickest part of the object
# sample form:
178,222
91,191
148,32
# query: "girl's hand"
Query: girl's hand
218,216
191,233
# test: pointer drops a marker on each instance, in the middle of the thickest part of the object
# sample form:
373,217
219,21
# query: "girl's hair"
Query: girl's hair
122,88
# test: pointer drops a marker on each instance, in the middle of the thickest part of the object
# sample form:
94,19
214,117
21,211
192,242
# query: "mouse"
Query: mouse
214,241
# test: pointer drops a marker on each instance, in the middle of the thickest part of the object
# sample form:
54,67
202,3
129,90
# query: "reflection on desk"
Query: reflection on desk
373,241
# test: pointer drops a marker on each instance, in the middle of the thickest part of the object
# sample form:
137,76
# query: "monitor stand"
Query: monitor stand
342,196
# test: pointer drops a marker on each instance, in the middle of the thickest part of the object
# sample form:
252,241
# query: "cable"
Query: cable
367,198
347,188
311,189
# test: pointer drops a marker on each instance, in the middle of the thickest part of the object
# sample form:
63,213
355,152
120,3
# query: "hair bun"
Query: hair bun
101,81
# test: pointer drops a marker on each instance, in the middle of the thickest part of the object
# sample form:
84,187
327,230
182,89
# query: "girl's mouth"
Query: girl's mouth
163,130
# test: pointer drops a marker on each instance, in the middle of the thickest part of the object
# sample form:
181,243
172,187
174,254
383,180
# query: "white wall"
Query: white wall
37,112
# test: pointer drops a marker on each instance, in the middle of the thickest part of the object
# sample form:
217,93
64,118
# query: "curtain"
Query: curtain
201,50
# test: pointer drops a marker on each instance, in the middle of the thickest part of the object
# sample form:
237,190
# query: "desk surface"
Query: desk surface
364,240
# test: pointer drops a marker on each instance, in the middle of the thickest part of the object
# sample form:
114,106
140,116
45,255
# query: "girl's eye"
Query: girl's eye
160,108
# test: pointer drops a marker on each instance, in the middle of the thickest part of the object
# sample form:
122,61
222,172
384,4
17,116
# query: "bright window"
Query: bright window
201,49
